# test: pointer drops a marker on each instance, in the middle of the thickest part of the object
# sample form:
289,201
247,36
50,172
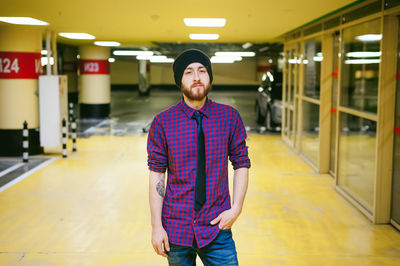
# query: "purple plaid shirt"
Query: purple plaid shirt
172,144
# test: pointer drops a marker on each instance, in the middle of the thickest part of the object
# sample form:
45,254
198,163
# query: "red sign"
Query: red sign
19,65
94,67
398,75
335,74
334,110
397,130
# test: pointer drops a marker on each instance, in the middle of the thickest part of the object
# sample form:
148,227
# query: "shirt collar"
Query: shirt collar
189,111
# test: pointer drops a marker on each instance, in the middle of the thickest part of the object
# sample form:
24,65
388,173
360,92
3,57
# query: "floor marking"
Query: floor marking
12,168
97,125
25,175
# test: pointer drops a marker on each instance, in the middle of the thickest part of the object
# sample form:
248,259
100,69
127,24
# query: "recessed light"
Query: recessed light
204,22
204,36
111,60
77,35
107,43
23,21
132,53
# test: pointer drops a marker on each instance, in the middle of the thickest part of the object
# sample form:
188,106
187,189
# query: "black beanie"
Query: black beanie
186,58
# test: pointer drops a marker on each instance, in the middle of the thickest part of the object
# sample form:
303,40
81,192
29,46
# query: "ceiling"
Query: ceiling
159,23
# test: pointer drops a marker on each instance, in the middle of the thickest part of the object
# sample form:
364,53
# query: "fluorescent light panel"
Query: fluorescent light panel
107,43
165,60
77,35
204,36
369,37
23,21
364,54
204,22
362,61
132,53
228,58
244,54
225,60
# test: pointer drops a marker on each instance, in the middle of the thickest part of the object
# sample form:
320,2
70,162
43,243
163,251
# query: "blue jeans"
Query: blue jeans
221,251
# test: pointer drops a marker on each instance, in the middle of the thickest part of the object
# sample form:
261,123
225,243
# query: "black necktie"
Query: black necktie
200,188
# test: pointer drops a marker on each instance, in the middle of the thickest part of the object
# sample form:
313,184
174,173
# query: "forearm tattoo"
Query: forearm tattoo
160,188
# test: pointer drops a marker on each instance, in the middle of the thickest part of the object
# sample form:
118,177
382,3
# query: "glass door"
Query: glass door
290,88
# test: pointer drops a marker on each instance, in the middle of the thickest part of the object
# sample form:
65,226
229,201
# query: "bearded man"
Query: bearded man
194,140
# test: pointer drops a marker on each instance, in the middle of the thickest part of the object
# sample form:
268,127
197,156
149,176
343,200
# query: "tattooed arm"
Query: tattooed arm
156,198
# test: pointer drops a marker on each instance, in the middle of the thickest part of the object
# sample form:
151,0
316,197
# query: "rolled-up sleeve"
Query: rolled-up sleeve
157,159
238,151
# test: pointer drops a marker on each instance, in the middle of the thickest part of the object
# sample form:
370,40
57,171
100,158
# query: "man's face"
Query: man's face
195,82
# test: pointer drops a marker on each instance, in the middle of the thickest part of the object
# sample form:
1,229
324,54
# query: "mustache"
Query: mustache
196,84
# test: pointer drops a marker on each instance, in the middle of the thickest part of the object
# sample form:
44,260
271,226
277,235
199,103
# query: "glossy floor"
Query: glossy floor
92,209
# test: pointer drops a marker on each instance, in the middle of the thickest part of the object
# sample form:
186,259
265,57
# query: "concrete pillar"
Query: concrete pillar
20,66
94,94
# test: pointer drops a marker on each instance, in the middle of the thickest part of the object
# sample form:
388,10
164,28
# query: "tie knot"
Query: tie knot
198,116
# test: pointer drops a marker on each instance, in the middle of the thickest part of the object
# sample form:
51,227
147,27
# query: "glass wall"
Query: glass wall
334,102
310,101
359,92
310,131
362,53
312,67
396,152
357,158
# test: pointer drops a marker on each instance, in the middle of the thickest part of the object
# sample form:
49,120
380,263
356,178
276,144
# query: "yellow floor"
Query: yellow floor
92,209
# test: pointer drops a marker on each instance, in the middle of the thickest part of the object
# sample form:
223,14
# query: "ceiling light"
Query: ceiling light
204,22
44,52
160,60
77,35
229,58
149,57
362,61
204,36
226,60
23,21
132,53
369,37
107,43
247,45
364,54
244,54
318,58
111,60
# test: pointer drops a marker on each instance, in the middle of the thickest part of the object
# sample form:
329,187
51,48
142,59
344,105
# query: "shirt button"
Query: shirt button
194,221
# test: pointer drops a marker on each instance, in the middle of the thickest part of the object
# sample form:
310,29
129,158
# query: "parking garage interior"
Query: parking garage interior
324,185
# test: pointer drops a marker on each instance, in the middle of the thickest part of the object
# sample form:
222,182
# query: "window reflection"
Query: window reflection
361,50
312,67
357,146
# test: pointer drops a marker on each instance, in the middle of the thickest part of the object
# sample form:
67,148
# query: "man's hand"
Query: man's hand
158,239
226,218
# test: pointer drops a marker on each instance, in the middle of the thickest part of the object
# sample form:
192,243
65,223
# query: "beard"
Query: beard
196,94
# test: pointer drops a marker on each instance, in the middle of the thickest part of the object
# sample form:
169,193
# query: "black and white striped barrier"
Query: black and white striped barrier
71,111
73,128
25,143
64,138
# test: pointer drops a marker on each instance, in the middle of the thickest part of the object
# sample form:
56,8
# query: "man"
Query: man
194,139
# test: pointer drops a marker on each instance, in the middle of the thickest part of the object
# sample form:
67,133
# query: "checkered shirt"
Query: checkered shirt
172,144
